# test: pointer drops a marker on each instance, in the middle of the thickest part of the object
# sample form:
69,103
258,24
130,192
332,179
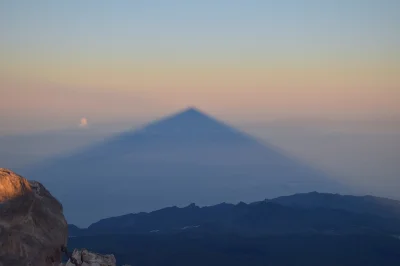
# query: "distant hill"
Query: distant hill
359,204
186,157
314,213
74,230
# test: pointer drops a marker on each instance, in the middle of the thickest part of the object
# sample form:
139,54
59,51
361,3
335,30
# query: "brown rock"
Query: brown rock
32,224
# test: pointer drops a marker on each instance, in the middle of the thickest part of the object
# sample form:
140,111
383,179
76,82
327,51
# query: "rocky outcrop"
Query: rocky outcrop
33,230
85,258
32,225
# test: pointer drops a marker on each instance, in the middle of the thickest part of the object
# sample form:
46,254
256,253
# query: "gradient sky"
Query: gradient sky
110,60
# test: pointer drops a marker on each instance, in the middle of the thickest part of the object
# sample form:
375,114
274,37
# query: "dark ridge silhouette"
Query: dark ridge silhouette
313,228
384,207
186,157
313,213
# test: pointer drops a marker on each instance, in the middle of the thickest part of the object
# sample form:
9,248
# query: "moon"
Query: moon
83,122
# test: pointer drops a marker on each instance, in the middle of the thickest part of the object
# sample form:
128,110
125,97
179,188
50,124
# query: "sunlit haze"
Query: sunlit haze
136,60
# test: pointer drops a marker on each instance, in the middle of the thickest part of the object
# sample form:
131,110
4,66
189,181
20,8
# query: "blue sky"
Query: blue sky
330,26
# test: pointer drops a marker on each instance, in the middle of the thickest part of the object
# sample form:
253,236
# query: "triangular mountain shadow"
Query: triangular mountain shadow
183,158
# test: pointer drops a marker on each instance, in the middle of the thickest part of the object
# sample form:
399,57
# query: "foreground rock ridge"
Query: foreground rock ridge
33,228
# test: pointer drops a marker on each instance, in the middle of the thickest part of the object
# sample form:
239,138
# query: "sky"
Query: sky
106,61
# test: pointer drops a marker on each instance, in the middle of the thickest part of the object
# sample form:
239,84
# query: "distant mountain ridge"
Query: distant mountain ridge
185,157
315,213
379,206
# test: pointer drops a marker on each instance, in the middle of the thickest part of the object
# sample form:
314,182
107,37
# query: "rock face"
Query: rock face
86,258
32,225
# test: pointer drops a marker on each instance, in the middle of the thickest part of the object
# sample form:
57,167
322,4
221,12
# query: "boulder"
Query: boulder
32,225
85,258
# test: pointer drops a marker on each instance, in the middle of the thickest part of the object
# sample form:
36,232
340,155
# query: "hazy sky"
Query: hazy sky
109,60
